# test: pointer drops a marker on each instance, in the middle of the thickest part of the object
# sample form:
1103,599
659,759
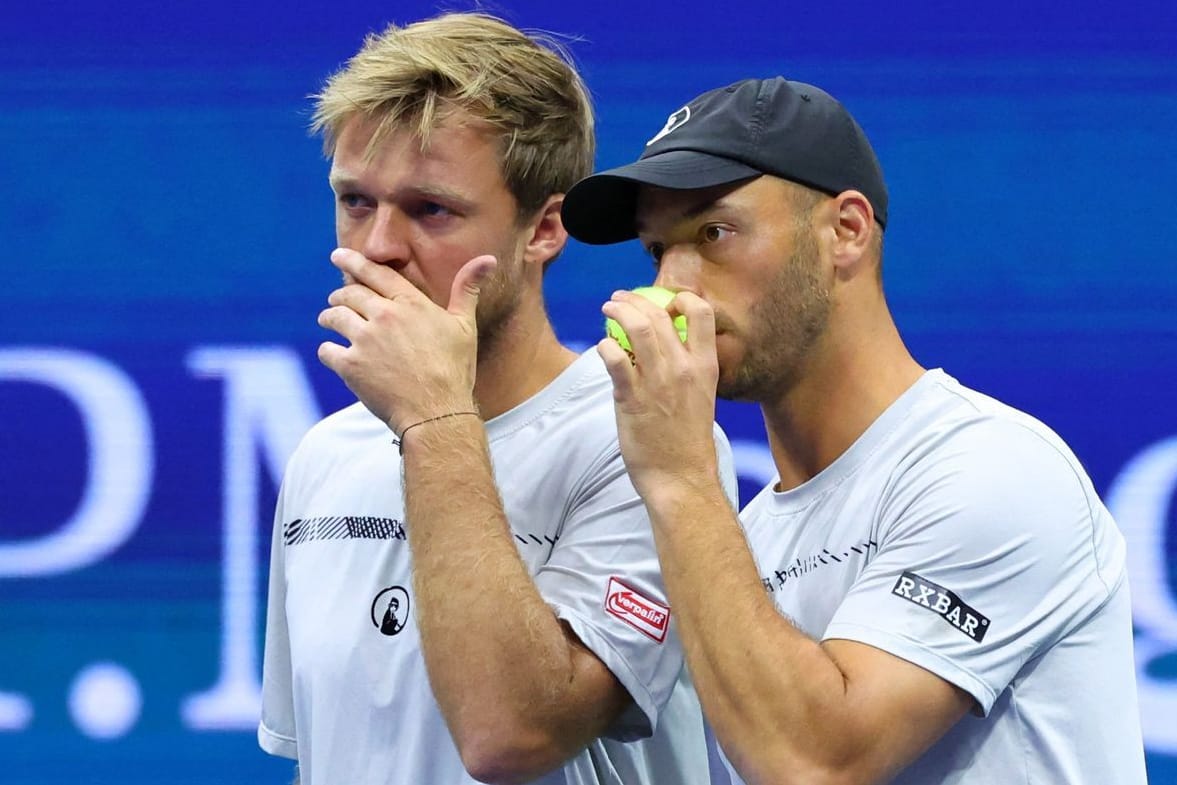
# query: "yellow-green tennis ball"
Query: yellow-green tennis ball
660,297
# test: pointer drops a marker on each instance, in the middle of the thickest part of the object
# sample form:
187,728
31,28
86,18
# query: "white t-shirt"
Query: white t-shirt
345,689
963,536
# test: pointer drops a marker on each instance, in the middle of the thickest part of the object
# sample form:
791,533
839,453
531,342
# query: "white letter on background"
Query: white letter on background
118,476
268,404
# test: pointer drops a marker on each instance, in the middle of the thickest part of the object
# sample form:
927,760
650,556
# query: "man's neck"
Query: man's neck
520,359
842,392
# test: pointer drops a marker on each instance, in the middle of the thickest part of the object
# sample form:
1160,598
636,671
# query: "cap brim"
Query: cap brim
601,209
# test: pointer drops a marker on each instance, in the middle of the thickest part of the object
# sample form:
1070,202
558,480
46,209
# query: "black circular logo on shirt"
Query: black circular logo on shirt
390,610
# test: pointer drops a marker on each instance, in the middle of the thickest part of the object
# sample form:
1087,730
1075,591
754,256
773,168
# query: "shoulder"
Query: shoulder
588,411
957,432
349,424
336,435
573,415
980,476
590,403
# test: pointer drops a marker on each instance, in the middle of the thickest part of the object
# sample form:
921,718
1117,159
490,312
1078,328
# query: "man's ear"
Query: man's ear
547,235
854,228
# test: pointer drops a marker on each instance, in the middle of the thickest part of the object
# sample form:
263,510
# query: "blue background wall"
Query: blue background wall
164,230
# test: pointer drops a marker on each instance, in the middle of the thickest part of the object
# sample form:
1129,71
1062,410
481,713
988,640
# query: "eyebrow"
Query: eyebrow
340,177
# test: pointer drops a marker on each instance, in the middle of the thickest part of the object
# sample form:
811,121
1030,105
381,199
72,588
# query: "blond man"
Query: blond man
463,581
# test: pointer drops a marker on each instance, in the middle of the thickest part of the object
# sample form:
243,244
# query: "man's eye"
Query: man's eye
714,233
433,210
352,201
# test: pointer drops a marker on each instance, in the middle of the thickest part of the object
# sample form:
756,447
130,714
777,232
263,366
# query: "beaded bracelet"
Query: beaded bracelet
400,440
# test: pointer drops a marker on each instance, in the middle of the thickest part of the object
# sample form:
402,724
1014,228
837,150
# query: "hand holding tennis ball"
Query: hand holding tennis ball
660,297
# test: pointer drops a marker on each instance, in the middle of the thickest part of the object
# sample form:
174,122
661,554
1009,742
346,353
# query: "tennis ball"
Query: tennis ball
657,295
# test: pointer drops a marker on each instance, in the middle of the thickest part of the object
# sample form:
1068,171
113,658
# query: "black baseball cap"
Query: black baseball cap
757,126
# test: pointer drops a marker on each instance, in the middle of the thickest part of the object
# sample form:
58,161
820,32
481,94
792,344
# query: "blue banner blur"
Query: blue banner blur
165,225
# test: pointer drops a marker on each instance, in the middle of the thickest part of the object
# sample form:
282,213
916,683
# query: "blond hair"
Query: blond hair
521,85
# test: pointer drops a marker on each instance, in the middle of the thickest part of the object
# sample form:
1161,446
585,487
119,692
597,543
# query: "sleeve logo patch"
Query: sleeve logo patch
943,603
637,610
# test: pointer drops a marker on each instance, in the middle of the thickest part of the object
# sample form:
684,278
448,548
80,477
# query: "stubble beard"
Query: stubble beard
498,300
783,327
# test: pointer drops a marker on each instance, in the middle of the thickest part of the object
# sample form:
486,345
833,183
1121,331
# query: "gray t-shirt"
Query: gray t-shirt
963,536
344,686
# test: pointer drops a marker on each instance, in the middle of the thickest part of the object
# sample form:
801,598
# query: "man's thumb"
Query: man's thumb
467,283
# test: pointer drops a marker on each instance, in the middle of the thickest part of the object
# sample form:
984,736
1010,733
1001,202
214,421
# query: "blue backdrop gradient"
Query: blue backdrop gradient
165,224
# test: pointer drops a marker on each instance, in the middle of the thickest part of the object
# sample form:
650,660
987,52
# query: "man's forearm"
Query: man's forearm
503,670
776,700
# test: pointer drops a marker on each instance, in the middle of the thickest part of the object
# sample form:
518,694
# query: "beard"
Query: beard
783,326
499,297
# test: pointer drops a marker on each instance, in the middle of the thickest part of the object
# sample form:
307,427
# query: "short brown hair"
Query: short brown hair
522,85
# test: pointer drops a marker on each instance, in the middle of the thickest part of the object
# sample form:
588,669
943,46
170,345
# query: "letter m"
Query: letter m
269,405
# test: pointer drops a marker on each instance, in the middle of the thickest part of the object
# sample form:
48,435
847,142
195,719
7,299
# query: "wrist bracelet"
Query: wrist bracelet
399,441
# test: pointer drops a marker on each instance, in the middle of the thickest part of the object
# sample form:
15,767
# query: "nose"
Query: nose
678,270
382,238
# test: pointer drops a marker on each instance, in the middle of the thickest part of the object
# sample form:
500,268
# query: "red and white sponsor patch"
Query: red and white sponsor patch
637,610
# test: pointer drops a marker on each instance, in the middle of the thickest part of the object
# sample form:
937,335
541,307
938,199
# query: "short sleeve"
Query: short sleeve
603,580
276,730
986,556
